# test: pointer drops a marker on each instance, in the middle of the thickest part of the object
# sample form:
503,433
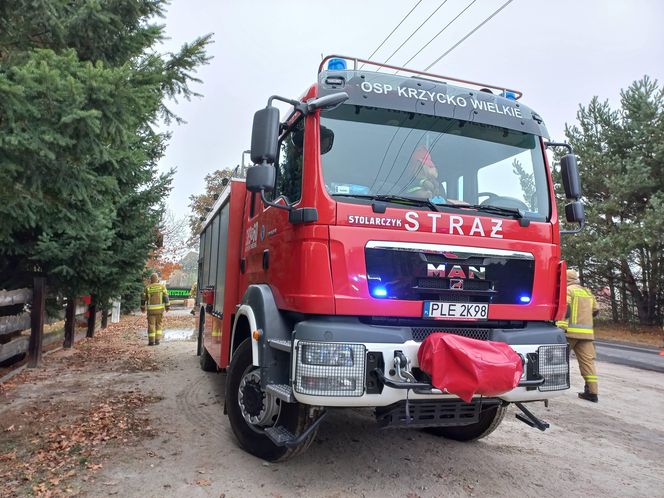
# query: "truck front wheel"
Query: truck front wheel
251,411
489,420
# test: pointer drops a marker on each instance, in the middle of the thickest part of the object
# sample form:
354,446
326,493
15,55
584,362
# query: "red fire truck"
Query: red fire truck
383,209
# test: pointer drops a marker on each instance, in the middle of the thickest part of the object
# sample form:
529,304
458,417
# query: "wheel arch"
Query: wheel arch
258,311
243,327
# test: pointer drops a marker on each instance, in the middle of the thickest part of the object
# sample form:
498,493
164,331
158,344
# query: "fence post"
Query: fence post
115,316
92,314
70,322
37,322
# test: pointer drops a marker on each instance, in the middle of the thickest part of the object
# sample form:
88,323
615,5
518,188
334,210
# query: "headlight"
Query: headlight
334,355
553,365
329,369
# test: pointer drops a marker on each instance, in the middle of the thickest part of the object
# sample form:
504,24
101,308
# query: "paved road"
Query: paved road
645,357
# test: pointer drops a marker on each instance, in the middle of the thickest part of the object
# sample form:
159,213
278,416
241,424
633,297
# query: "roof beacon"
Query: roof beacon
336,65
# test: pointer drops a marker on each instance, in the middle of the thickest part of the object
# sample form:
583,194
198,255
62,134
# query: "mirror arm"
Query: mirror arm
277,205
301,107
559,144
582,225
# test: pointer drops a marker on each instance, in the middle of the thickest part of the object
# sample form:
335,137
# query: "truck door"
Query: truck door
269,250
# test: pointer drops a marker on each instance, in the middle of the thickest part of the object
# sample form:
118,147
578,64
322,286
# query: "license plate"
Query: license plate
438,310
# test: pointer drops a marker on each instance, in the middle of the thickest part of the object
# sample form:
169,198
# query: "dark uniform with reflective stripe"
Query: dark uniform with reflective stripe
155,298
578,326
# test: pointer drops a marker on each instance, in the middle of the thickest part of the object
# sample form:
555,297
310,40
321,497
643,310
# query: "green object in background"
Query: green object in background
178,292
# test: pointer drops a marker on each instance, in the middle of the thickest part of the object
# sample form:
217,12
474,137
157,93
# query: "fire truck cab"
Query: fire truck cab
382,209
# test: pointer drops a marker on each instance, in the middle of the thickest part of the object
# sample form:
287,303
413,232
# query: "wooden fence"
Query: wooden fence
23,309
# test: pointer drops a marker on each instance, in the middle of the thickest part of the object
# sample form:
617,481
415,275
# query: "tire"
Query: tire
489,420
201,329
292,416
207,362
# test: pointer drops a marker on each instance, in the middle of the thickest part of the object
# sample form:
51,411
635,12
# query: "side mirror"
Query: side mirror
570,176
265,136
574,212
260,178
327,101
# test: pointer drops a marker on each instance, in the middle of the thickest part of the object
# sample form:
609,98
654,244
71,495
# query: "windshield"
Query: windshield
382,152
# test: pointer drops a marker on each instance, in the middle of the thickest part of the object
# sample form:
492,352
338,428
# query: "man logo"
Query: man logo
456,271
456,283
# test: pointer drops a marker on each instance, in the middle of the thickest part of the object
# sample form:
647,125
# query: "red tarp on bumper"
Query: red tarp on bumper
465,367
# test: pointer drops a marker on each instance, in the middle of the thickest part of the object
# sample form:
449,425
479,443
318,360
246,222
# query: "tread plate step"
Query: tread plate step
279,435
282,391
280,344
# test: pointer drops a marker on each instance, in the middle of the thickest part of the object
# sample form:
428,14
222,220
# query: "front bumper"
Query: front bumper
367,381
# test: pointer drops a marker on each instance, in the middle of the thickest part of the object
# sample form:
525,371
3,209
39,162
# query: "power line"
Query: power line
392,32
465,37
413,33
439,33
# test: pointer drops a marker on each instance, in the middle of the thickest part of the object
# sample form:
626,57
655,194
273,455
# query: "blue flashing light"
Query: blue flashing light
336,64
379,292
509,95
524,299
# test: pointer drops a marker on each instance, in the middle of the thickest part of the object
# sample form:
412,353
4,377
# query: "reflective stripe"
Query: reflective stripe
155,306
563,324
580,330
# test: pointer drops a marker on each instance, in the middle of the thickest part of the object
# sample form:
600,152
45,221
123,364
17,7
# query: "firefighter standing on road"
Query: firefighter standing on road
578,326
155,297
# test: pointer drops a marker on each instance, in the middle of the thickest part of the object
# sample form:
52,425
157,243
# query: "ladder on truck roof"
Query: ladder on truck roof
517,94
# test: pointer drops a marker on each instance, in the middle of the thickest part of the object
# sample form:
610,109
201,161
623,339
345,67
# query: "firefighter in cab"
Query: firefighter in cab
578,326
155,299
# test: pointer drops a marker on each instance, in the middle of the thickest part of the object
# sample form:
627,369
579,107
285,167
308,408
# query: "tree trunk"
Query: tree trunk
614,303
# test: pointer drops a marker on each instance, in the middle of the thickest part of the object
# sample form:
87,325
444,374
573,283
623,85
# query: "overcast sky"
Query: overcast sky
559,53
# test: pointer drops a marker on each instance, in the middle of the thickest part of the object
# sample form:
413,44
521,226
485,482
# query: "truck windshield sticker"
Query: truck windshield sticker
440,223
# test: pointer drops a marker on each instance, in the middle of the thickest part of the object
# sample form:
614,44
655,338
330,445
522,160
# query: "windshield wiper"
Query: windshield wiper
397,199
487,208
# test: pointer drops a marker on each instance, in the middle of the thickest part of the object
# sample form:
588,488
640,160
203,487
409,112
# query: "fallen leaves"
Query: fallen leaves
65,450
52,441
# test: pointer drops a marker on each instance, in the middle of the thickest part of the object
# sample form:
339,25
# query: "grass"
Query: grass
647,335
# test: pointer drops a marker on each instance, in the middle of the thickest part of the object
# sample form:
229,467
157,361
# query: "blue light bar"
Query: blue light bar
524,299
336,64
509,95
379,292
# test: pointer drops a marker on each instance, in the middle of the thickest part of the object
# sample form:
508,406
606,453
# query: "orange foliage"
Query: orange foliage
163,268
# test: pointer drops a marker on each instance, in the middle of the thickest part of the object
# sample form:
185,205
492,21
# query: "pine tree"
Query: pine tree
622,173
81,89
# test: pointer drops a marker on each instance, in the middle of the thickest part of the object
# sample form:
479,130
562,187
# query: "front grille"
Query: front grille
421,333
553,365
444,283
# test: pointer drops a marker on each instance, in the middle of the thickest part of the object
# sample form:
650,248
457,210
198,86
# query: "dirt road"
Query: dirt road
615,448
